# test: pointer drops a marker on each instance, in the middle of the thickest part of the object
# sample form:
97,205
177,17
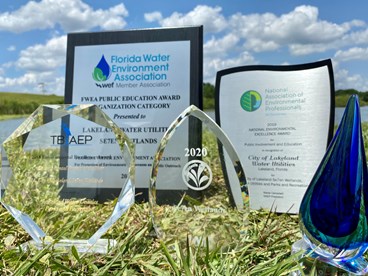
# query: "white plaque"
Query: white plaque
280,119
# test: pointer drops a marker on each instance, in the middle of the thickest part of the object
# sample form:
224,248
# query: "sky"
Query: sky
33,35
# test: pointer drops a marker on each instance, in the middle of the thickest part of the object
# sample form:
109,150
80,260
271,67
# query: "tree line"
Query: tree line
341,96
17,103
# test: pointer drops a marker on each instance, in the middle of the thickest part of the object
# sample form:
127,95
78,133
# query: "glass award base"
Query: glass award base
102,246
323,266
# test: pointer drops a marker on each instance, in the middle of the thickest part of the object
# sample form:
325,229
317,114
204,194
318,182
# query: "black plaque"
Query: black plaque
141,78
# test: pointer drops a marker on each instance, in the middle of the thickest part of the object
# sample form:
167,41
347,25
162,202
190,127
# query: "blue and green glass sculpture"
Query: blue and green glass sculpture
334,211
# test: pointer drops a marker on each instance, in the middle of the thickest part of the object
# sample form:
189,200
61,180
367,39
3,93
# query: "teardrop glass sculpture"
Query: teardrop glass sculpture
191,196
333,212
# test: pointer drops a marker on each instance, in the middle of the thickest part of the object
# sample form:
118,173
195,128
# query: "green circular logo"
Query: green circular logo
250,100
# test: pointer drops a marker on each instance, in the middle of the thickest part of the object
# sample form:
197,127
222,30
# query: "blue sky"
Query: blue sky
236,32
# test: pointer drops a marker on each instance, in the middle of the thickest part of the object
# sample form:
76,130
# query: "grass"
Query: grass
25,103
264,250
28,98
341,100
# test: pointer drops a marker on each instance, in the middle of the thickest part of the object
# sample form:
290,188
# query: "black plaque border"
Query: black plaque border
281,68
194,34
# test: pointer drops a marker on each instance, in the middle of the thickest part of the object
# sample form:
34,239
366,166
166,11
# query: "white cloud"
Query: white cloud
71,15
344,80
40,64
210,17
357,37
8,64
307,49
301,30
29,82
153,16
349,38
25,80
213,65
41,58
354,23
223,53
221,47
56,86
354,53
44,62
11,48
233,41
258,45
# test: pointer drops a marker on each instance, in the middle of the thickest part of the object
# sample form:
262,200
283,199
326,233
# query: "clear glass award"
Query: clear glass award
334,210
56,168
191,198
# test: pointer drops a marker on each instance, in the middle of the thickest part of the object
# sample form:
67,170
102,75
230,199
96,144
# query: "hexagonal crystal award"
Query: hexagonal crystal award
57,166
190,195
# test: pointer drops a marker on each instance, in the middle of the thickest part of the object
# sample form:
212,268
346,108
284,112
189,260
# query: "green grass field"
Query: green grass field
341,101
24,103
27,98
264,249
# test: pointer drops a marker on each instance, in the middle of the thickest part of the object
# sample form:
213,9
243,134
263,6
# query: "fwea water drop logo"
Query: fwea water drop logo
251,100
102,71
67,131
